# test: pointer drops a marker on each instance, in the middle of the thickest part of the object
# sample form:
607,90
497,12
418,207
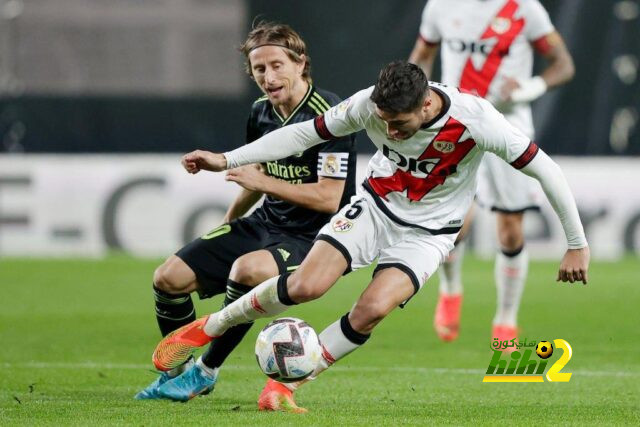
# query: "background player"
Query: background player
487,50
407,213
302,191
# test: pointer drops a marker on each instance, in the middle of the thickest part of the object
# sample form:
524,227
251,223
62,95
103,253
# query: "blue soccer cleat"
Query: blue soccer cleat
191,383
151,391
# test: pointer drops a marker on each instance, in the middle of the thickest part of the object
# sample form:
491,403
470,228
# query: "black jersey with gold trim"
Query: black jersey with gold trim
334,159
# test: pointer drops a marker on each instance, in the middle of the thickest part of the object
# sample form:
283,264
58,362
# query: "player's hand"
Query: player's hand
508,86
574,266
249,177
198,160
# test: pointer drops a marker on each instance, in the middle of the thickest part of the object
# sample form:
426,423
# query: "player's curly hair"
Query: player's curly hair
271,33
401,87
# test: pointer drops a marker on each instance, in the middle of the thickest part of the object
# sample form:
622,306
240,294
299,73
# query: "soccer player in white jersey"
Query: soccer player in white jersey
406,214
487,48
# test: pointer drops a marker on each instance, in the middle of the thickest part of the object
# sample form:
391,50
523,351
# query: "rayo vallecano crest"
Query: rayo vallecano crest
444,146
341,225
500,25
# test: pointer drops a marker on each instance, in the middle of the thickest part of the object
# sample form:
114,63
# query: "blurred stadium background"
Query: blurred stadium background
99,98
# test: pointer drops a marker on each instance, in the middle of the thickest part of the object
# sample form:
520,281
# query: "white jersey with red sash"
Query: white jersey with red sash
485,41
429,180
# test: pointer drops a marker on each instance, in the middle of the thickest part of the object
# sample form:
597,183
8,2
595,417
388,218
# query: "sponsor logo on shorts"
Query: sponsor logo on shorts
341,225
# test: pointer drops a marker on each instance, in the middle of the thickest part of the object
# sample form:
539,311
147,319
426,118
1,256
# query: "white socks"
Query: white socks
211,373
337,340
510,275
261,301
451,271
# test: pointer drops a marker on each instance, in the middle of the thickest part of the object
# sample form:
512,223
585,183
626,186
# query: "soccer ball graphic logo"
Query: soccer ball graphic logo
288,349
544,349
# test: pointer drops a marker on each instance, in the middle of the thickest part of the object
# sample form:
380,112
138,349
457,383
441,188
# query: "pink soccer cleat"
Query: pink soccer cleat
447,318
506,333
174,349
277,397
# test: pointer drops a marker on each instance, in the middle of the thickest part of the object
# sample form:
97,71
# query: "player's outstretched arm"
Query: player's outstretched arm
575,263
198,160
275,145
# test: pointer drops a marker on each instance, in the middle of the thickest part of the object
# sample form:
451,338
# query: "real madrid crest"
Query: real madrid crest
331,165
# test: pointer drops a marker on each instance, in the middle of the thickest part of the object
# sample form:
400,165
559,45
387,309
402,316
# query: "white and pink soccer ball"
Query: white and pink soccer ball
288,349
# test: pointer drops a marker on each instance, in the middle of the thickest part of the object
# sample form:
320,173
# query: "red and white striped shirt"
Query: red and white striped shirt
429,180
483,42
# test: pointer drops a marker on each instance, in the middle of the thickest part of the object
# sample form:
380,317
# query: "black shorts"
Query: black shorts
212,255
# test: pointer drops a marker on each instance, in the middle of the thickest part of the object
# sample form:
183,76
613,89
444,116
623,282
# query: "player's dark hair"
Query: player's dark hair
274,34
401,87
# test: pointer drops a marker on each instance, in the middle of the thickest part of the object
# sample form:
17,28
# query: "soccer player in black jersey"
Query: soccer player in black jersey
302,192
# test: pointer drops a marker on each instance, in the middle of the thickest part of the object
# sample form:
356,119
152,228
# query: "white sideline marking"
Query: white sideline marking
149,367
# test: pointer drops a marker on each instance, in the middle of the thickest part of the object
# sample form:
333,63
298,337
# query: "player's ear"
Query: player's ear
302,63
426,103
250,71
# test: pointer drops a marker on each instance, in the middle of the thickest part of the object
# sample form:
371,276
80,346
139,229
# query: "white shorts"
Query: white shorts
363,233
503,188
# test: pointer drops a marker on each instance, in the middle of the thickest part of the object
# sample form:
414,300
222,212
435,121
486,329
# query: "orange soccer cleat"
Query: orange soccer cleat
506,333
277,397
447,319
174,349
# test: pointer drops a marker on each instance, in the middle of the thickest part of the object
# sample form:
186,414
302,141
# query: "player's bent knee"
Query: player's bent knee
510,233
162,280
301,289
511,239
367,314
168,279
250,273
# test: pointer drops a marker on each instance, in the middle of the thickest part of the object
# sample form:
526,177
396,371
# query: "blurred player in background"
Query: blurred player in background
302,191
406,214
487,49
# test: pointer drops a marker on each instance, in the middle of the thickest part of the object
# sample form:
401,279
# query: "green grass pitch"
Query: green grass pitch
77,336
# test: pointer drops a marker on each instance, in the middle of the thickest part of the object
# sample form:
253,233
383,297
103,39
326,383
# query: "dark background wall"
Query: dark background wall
596,114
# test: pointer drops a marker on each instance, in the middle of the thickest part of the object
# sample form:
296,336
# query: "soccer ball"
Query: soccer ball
288,349
544,349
